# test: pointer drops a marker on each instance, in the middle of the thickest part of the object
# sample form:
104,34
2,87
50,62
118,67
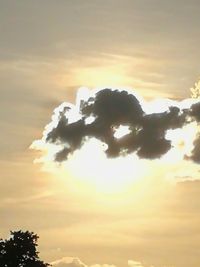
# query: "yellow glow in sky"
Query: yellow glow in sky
91,166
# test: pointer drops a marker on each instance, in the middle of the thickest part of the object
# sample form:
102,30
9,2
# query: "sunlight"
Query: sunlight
182,142
89,167
110,76
121,131
106,175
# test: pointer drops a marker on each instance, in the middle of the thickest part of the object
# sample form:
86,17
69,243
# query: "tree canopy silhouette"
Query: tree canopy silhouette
20,250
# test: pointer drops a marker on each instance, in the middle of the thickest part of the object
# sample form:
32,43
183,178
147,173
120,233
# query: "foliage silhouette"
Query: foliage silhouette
20,250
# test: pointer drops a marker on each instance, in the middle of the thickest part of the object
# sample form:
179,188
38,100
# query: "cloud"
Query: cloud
99,114
132,263
68,262
76,262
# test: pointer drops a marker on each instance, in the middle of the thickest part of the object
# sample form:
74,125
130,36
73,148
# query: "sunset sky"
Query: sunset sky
124,212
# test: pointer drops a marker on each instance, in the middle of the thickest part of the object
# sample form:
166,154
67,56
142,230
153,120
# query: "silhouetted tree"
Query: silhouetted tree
20,250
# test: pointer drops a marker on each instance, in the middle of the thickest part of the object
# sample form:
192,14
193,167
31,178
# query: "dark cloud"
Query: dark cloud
195,155
110,109
122,107
195,111
70,134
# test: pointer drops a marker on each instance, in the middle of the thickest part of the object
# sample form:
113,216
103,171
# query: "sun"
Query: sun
91,167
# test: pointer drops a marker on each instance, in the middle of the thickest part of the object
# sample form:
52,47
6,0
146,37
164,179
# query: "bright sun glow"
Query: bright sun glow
90,165
182,142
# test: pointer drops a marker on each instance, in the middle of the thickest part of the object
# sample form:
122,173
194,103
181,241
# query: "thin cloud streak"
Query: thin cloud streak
76,262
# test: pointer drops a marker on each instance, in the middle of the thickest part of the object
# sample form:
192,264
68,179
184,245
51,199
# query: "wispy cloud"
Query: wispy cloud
76,262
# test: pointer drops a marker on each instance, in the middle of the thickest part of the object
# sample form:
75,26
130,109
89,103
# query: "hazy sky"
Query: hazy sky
48,49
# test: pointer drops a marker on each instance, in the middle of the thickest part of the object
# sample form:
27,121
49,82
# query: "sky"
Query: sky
49,49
